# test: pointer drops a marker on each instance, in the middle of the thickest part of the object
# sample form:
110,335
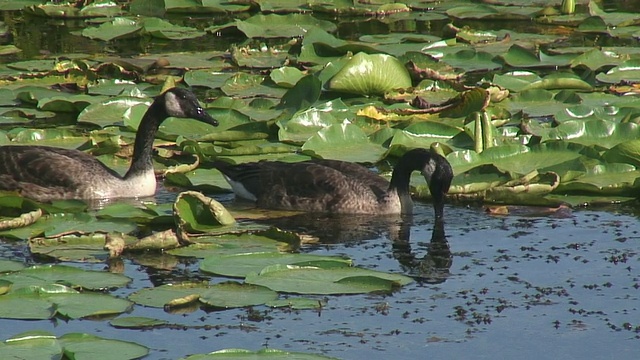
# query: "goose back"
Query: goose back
314,186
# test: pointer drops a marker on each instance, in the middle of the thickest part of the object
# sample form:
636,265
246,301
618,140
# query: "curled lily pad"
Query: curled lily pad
626,152
629,71
373,74
200,213
5,286
89,248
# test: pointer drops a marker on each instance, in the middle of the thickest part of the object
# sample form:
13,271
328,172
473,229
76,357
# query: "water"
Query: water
514,285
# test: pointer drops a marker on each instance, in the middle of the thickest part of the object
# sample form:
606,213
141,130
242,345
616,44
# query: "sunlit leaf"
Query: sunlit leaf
370,74
345,142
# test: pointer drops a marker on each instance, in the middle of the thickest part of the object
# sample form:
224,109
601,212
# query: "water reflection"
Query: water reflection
433,267
328,229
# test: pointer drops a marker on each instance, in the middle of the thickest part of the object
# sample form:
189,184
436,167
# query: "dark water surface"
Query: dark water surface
520,286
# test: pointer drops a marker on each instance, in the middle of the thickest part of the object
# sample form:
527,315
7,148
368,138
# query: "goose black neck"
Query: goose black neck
401,176
143,146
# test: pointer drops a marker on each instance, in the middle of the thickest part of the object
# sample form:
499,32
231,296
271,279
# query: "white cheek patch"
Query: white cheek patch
172,105
429,169
240,190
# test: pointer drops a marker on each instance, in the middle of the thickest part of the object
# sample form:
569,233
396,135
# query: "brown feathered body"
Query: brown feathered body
337,186
46,173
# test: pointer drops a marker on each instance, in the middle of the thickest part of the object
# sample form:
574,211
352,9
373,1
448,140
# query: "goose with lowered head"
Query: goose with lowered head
338,186
47,173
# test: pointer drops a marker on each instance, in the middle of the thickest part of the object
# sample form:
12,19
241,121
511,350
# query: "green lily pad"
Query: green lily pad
45,302
31,345
167,294
609,179
279,26
297,303
335,280
626,152
89,248
86,346
136,322
600,133
241,354
229,244
628,72
239,265
372,74
232,294
345,142
165,30
113,111
10,265
516,159
199,213
49,274
306,123
119,28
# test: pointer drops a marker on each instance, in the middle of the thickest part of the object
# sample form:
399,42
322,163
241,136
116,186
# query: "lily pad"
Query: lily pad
167,294
241,354
199,213
75,277
31,345
345,142
335,280
119,28
45,302
232,294
86,346
136,322
372,74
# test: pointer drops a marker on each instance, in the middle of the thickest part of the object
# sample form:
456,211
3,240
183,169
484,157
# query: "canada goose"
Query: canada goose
337,186
46,173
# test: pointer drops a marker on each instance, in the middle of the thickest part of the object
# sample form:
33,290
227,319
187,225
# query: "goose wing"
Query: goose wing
49,167
310,185
363,176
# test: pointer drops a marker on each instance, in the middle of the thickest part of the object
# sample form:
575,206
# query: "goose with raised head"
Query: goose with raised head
338,186
47,173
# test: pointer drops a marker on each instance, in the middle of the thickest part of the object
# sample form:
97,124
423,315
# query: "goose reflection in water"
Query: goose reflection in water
358,230
433,267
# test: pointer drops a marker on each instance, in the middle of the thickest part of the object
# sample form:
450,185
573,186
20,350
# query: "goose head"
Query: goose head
436,171
181,103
